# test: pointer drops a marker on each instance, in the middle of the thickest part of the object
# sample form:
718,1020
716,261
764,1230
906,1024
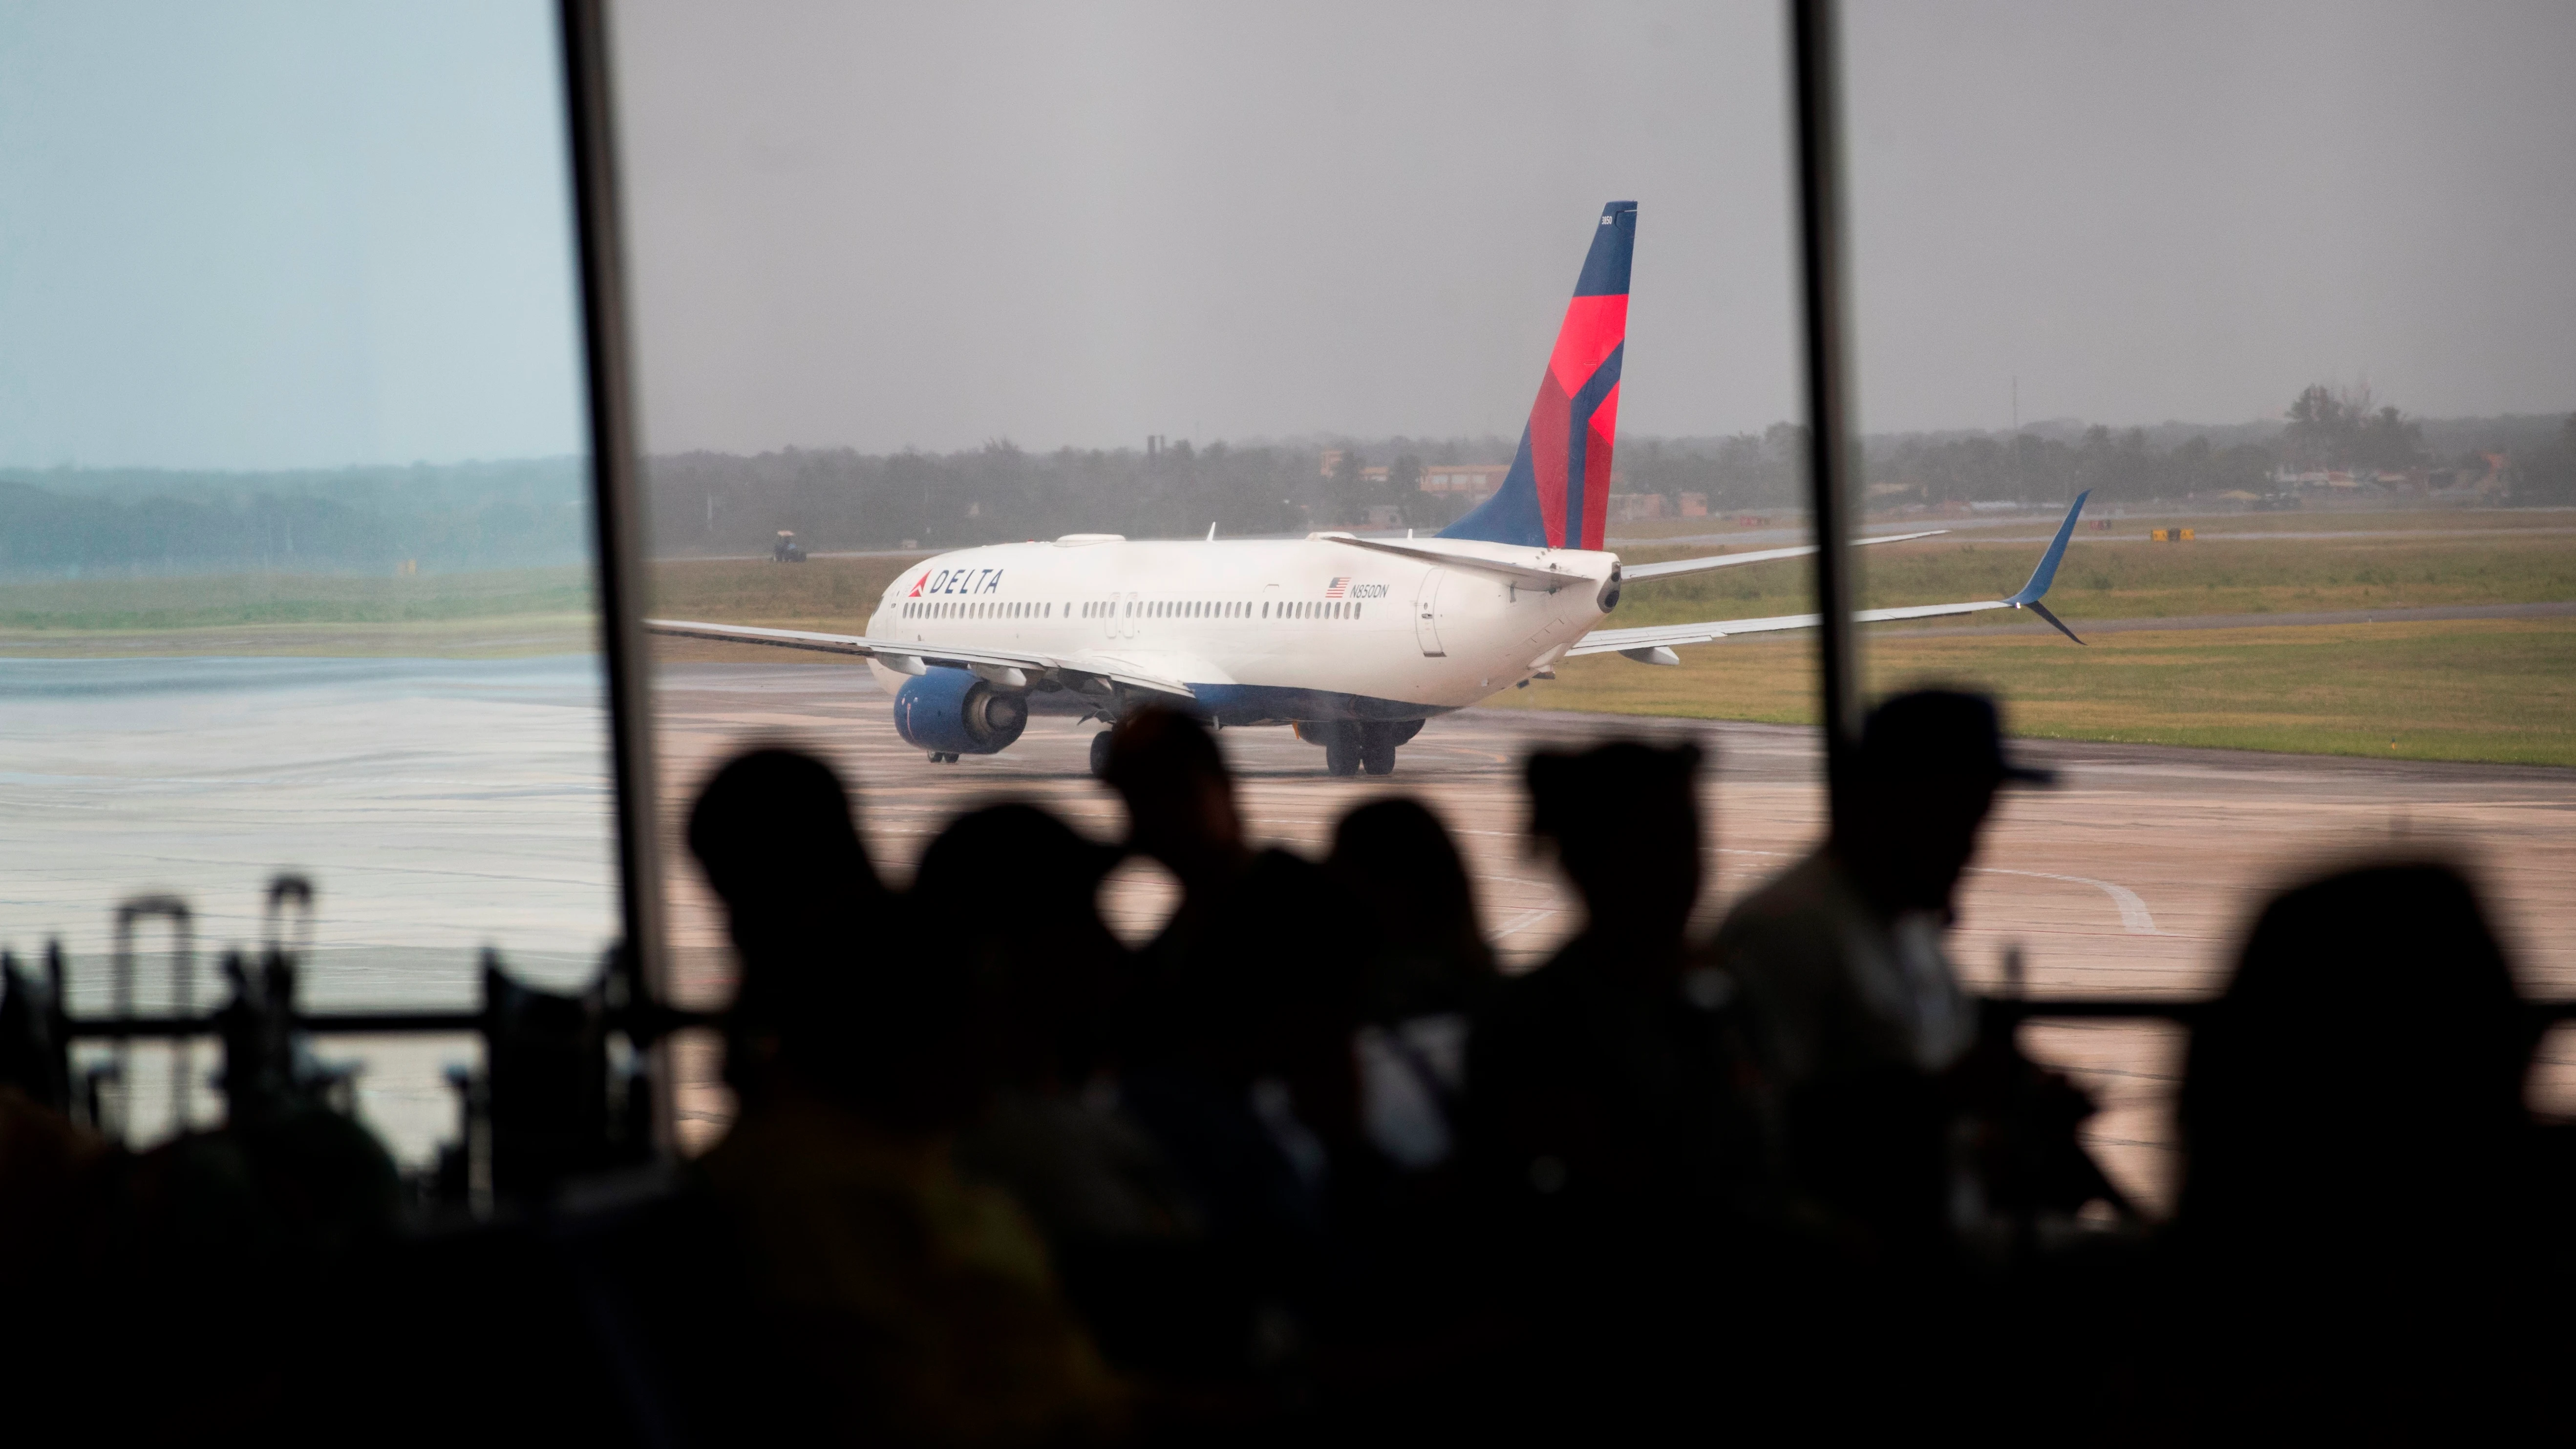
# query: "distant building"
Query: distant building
1332,463
1635,507
1693,505
1476,481
1374,473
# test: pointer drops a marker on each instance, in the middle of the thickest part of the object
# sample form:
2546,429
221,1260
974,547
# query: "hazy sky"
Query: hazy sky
937,224
283,235
263,234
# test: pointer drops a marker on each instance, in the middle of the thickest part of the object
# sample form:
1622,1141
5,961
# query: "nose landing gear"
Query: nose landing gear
1100,755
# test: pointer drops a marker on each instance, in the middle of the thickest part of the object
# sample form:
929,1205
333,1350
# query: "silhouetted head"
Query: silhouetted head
1012,892
1922,783
2368,1058
773,832
1625,821
1399,864
775,821
1180,798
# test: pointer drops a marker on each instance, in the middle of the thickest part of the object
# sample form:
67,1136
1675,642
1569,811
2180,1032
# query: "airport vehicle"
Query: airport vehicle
1355,642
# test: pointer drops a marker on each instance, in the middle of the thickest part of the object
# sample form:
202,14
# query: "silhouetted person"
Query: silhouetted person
1017,891
1603,1125
2366,1235
1418,1319
1856,1008
1426,965
895,1301
774,832
1235,1049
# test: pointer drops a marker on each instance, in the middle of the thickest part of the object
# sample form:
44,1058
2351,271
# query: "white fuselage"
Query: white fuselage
1262,630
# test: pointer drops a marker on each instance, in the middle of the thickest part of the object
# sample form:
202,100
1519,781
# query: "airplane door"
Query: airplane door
1426,614
1135,608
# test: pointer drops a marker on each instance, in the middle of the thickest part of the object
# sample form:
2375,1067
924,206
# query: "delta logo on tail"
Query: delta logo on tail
1558,492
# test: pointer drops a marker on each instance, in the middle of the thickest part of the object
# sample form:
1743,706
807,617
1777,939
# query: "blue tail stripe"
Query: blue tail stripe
2046,574
1511,515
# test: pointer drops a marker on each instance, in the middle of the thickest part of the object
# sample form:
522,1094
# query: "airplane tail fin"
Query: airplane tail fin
1558,492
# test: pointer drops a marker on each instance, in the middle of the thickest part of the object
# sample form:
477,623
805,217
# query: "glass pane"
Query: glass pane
910,281
2111,254
295,543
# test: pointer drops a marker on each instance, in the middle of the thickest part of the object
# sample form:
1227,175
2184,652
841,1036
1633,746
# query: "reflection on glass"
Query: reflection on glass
1173,278
295,565
2313,426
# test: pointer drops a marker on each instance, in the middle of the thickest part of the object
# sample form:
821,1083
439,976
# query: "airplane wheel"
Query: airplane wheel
1378,757
1100,755
1341,756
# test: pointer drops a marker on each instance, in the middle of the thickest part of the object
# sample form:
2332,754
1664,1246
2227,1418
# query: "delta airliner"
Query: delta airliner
1353,642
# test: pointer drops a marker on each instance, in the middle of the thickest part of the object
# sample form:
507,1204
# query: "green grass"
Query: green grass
2499,690
226,600
835,595
2502,690
497,614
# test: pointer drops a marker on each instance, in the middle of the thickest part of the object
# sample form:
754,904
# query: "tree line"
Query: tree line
512,514
535,512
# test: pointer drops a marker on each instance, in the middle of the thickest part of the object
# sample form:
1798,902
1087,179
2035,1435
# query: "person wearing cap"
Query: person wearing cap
1856,1010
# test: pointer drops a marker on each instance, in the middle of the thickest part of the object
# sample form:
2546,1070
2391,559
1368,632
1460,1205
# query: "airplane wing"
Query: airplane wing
1075,671
1644,644
1634,572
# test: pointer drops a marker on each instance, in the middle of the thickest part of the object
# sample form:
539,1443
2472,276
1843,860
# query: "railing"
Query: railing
566,1083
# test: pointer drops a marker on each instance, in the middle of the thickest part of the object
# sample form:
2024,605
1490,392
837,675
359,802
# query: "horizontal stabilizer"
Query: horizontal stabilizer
1542,576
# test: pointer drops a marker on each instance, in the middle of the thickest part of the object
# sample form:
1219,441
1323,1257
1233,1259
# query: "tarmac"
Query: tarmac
444,805
2133,878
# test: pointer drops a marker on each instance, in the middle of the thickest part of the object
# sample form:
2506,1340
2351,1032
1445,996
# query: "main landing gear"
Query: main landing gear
943,757
1352,748
1100,755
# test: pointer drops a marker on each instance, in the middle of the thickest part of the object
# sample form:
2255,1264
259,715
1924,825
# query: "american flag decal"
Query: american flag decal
1339,587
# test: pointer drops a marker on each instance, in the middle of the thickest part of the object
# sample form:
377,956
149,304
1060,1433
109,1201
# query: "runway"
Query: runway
2133,878
441,805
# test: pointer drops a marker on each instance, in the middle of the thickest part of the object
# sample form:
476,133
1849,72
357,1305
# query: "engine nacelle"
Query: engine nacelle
952,710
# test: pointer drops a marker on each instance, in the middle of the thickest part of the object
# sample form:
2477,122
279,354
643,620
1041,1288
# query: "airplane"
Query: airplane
1352,642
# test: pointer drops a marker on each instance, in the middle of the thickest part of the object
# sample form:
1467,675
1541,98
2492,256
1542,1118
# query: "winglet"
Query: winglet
2046,574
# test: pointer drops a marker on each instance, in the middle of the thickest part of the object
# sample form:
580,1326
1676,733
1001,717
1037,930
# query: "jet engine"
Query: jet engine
952,711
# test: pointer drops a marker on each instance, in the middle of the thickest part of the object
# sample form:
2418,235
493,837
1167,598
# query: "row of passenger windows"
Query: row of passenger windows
990,609
1217,609
1157,609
